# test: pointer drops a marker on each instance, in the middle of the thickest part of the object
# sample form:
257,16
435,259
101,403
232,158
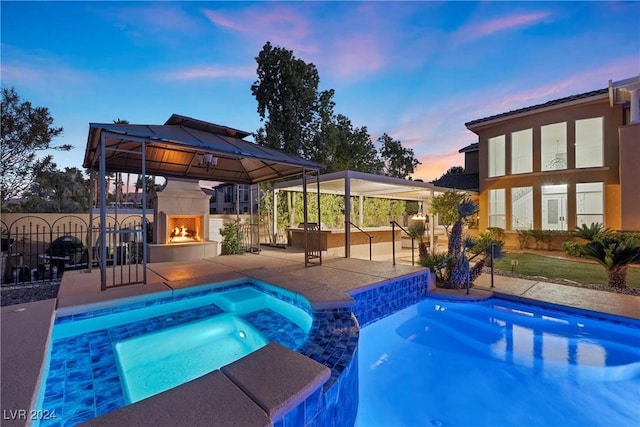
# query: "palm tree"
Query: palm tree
614,251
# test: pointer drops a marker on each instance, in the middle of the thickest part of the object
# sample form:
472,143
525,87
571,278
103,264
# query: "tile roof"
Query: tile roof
540,106
470,147
459,181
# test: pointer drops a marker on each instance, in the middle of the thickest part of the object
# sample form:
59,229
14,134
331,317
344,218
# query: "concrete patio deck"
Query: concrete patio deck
25,328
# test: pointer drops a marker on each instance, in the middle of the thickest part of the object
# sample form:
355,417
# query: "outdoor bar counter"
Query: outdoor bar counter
332,240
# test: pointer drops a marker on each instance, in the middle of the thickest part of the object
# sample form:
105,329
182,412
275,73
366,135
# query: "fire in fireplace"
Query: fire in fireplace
184,228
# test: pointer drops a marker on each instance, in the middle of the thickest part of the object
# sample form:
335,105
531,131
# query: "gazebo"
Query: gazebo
360,184
182,149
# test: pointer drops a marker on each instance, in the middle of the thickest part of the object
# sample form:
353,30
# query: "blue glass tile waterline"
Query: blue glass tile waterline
278,328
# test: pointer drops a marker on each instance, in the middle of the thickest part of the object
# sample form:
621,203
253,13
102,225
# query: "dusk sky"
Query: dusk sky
415,70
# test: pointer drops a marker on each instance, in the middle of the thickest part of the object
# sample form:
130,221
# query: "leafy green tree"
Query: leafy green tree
26,132
287,95
398,161
445,205
453,170
299,119
58,191
351,148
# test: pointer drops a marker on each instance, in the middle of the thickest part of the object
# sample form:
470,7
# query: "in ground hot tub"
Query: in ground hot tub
111,356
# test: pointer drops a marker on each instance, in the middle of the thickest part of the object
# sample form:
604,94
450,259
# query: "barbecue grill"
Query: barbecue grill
67,252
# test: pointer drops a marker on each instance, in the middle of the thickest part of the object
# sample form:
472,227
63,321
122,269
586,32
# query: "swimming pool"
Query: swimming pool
109,357
497,363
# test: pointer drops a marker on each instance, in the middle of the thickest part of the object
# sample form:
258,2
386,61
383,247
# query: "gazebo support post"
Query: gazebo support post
319,222
347,217
103,216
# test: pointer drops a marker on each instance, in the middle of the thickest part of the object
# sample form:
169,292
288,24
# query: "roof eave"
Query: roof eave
478,124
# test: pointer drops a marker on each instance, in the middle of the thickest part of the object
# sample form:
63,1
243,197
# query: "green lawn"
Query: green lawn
554,268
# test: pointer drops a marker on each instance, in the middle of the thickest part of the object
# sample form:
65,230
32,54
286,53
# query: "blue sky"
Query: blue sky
415,70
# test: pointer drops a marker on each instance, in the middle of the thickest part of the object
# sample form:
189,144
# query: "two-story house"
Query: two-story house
567,162
229,198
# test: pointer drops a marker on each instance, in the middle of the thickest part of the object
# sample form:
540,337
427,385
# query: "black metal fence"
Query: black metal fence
35,250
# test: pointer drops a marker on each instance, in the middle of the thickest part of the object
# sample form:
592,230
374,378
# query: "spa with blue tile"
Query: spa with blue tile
83,379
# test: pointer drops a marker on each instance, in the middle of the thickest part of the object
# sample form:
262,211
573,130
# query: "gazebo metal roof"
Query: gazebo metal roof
175,149
368,185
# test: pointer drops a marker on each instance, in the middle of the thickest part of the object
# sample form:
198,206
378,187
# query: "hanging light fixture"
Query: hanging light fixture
206,161
419,216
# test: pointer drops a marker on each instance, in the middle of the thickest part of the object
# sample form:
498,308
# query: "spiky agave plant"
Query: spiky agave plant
458,244
466,208
614,252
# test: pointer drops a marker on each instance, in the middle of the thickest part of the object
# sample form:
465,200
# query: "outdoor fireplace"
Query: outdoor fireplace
185,228
181,226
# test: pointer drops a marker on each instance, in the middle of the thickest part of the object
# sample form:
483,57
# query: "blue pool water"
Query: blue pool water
497,363
104,359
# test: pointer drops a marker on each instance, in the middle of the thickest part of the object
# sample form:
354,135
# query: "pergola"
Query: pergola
360,184
182,148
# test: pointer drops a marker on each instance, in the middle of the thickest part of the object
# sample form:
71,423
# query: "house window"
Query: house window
497,208
589,142
496,155
228,193
554,146
589,203
554,207
522,208
522,151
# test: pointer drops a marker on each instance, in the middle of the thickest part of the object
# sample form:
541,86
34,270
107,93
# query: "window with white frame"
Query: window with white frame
497,211
590,142
497,155
554,146
522,151
522,208
589,203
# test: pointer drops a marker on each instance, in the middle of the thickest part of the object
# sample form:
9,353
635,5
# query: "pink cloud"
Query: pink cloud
40,70
160,18
507,97
354,56
212,72
222,21
483,29
336,46
434,165
281,25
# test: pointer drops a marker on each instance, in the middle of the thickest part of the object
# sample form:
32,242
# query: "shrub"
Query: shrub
496,233
573,249
523,238
439,264
538,236
230,233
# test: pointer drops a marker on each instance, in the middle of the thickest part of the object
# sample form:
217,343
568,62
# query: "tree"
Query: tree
124,122
350,148
455,209
445,206
26,131
453,170
300,120
58,191
398,161
287,95
614,251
